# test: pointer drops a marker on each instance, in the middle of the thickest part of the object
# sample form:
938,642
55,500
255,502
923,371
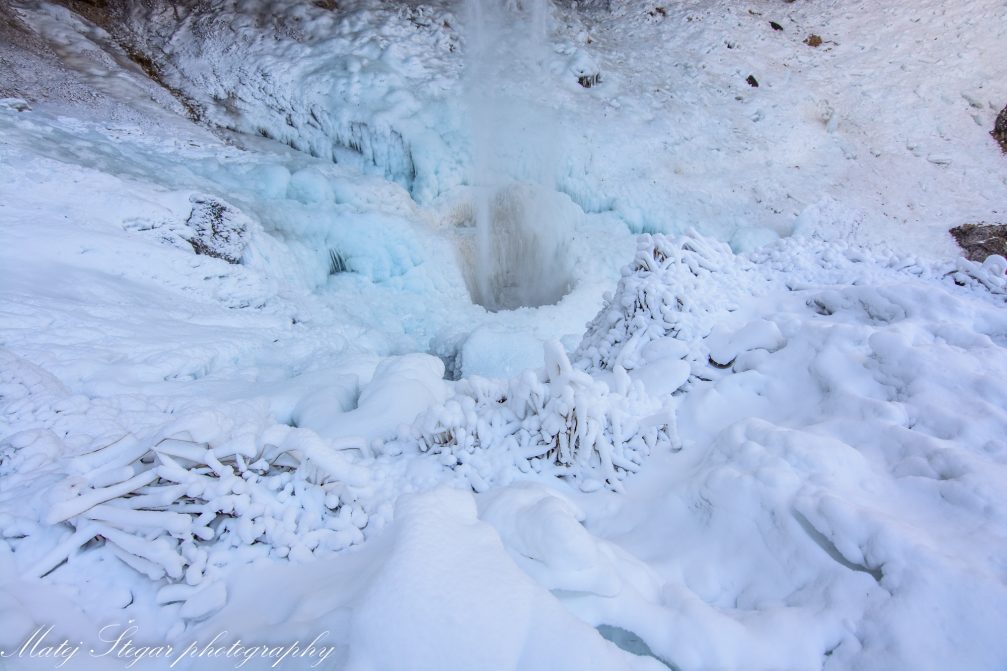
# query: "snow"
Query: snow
269,383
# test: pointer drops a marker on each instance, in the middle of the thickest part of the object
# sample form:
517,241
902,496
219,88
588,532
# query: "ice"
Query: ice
310,187
496,353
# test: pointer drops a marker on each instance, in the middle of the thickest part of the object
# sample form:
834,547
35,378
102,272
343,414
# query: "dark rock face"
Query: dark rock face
979,241
999,131
22,52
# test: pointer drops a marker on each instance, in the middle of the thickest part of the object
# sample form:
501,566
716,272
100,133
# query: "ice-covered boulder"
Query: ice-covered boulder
217,229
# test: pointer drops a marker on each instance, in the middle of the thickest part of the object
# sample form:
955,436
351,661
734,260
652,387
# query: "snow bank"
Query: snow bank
477,582
375,605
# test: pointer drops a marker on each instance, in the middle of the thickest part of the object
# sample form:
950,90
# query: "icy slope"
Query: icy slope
890,113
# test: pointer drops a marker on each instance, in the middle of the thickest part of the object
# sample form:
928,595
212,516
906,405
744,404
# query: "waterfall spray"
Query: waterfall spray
522,224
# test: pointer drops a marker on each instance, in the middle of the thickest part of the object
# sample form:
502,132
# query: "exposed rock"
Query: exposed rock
982,240
999,131
813,40
22,53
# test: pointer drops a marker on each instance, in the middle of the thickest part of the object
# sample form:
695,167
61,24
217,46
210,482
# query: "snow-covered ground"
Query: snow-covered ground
255,413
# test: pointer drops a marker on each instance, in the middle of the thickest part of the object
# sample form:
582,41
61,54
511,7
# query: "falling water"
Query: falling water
522,224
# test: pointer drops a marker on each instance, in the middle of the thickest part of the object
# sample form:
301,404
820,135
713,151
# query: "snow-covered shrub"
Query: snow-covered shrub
179,510
664,293
558,421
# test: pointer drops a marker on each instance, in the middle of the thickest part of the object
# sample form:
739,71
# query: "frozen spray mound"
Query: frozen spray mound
663,302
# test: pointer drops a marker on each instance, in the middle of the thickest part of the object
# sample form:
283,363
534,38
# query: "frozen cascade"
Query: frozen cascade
522,223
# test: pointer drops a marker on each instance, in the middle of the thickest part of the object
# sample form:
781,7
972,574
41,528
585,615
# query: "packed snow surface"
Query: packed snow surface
501,335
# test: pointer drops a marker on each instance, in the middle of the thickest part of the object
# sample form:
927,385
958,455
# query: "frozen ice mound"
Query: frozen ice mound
595,422
654,325
498,353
